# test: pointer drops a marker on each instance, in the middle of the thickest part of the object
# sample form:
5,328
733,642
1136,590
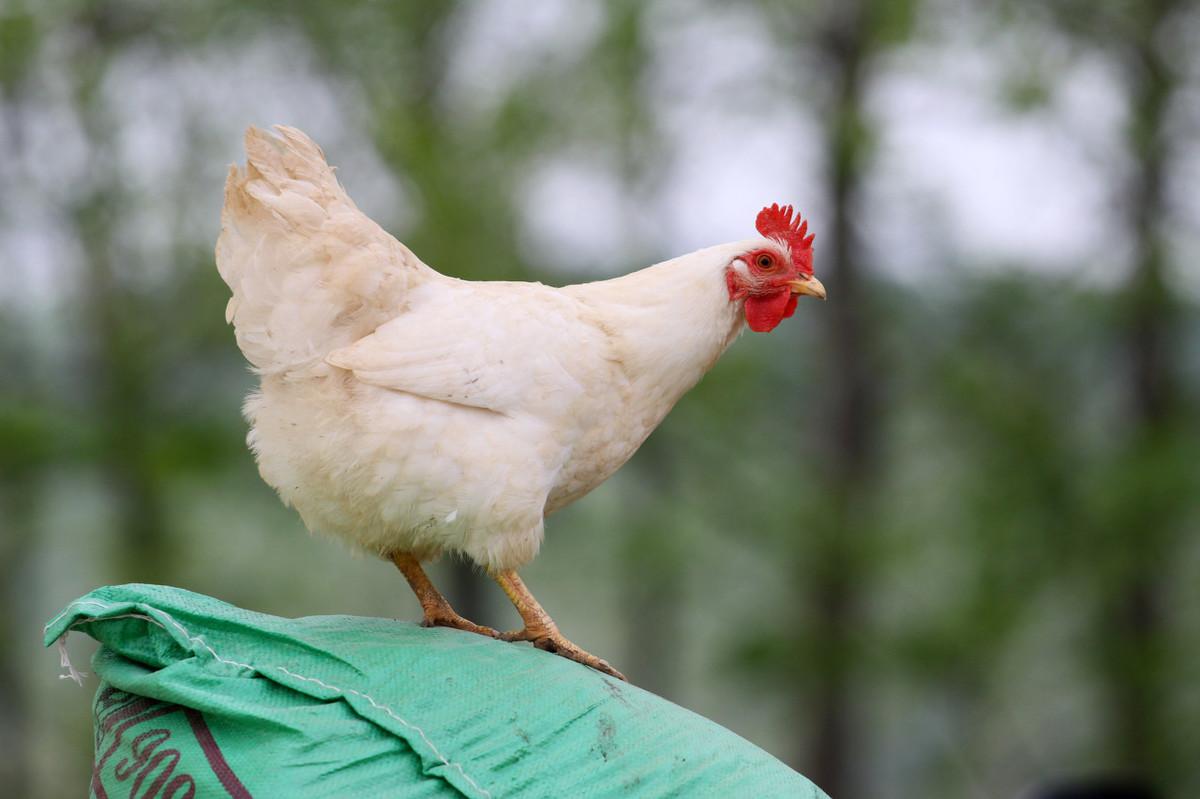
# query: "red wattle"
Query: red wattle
763,313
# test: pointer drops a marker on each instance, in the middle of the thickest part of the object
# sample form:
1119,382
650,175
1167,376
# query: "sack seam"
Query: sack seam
200,640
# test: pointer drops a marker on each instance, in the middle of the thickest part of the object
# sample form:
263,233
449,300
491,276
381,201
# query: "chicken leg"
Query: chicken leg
436,607
540,630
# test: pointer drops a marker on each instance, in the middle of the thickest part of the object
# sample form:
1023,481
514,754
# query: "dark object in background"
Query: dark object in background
1103,787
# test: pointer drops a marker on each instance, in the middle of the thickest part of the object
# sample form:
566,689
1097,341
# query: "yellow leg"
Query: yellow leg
436,608
540,629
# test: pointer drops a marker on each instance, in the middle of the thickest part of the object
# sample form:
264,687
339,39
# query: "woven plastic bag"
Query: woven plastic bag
199,698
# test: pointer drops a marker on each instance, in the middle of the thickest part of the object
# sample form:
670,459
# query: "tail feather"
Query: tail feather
309,272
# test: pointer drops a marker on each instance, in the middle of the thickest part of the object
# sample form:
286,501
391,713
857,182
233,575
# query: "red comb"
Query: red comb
777,223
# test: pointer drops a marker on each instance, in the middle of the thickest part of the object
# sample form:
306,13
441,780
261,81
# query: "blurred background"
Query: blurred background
936,537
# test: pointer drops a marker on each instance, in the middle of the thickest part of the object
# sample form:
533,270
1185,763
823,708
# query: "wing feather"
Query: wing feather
501,351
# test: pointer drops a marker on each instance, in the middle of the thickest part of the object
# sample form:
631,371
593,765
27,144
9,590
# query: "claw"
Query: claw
555,643
452,619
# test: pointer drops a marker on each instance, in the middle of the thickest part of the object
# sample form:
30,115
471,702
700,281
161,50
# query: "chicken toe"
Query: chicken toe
446,616
540,630
558,644
436,608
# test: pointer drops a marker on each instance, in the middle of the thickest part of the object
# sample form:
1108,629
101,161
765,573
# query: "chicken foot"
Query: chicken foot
540,630
437,609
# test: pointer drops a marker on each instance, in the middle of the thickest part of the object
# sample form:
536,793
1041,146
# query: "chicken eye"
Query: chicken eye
765,261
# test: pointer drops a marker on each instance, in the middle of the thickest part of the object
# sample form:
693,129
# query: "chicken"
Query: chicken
414,414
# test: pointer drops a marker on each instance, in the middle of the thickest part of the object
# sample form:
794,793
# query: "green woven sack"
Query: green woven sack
199,698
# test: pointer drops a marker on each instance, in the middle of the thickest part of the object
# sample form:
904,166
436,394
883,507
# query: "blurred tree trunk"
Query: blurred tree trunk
20,466
1134,668
466,591
18,509
851,406
652,601
117,356
652,576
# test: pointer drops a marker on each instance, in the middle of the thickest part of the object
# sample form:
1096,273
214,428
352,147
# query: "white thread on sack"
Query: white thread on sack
191,638
64,660
78,676
69,607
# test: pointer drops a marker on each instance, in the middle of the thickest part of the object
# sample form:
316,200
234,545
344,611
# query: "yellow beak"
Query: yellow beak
810,286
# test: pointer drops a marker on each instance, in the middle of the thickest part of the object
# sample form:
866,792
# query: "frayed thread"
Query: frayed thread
64,660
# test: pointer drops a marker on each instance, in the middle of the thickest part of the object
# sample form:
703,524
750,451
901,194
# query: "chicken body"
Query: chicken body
461,423
410,412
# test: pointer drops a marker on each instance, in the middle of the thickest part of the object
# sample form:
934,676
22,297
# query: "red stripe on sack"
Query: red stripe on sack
216,760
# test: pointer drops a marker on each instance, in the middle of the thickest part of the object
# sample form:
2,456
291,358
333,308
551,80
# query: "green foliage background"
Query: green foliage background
935,537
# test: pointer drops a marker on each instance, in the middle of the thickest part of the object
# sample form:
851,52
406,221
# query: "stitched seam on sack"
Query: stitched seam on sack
69,607
389,711
197,639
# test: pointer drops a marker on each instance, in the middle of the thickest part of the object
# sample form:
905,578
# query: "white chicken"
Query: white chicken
415,414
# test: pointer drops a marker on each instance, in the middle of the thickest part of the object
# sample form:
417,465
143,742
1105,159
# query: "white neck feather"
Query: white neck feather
669,323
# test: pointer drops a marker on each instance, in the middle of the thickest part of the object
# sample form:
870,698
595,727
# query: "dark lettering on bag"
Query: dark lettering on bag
145,754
